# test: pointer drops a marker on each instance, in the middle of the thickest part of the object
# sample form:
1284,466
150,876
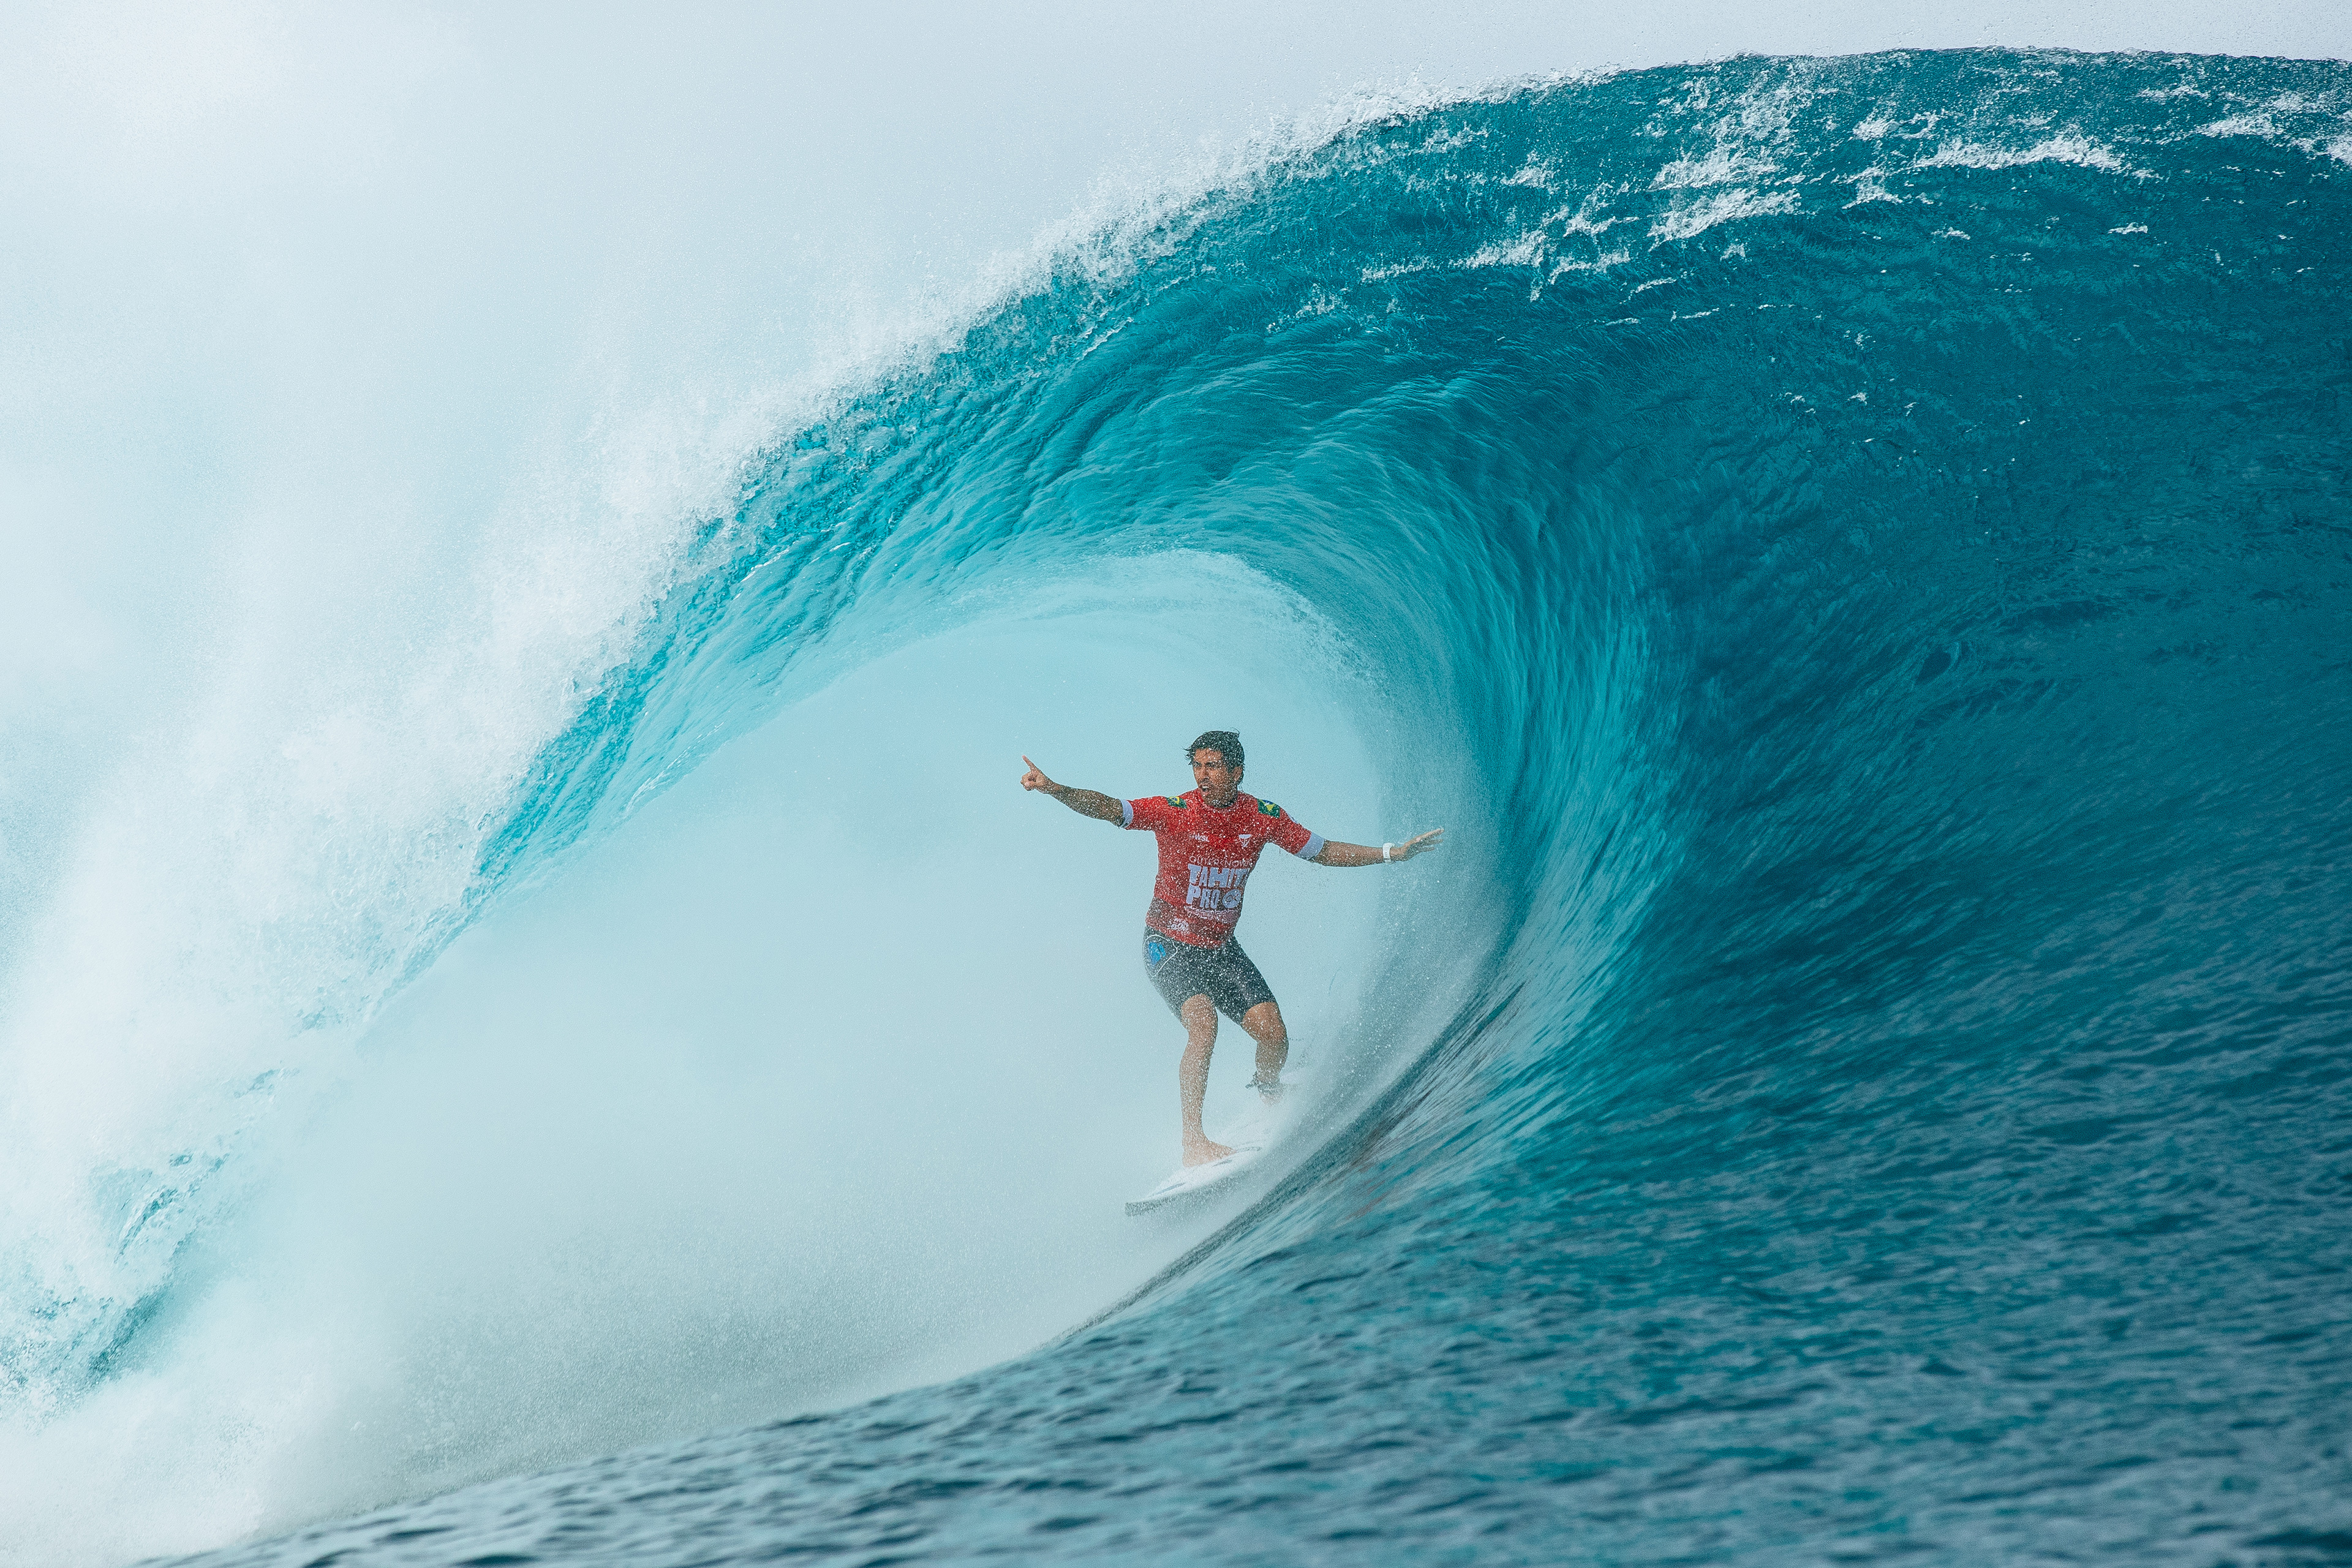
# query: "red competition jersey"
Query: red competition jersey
1206,856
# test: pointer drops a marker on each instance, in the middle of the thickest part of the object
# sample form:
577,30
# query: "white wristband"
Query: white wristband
1385,850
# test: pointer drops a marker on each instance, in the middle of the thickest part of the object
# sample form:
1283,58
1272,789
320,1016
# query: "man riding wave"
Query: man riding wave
1210,838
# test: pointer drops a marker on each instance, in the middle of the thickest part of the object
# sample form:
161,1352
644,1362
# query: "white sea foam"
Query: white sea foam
2071,147
2251,125
1722,165
1526,250
1601,262
1870,185
1724,206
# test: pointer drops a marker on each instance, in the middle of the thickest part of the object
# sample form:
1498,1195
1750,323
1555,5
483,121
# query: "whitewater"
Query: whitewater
537,1025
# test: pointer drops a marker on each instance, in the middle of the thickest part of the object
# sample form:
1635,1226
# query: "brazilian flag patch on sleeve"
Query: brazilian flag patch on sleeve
1268,807
1176,800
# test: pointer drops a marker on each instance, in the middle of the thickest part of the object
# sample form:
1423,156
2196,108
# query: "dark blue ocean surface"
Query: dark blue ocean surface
1879,533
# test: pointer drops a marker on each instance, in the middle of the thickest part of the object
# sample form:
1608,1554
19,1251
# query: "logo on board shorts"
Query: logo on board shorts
1154,950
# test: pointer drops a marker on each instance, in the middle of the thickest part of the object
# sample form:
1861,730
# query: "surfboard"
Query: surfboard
1248,1139
1196,1181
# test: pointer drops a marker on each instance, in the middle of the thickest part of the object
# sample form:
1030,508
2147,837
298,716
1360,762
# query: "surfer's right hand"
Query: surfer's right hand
1035,778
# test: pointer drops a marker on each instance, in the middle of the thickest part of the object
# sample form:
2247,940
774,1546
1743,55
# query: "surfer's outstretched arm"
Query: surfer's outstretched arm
1335,853
1084,802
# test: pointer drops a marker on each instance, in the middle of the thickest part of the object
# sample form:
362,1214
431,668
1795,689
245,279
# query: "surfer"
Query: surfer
1210,838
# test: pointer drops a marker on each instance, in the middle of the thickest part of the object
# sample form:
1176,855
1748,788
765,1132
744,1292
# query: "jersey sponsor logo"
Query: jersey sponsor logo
1211,888
1268,807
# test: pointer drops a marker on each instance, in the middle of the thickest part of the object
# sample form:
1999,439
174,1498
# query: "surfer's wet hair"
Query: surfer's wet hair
1225,743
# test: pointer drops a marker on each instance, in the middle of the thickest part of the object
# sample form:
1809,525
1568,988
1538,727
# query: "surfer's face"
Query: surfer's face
1215,780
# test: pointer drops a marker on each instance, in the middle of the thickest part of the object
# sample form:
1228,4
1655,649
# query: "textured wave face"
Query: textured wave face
1859,553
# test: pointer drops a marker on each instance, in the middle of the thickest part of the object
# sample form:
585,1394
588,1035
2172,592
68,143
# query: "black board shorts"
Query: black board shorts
1223,973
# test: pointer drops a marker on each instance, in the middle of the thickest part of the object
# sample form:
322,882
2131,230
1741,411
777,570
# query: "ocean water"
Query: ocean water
1858,552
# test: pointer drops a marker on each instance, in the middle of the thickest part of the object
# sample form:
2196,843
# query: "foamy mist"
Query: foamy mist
818,1078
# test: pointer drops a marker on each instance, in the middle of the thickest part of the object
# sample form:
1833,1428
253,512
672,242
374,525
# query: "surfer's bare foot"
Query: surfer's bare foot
1199,1150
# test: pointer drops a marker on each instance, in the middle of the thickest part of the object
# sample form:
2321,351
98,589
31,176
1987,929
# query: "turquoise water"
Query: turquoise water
1859,553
